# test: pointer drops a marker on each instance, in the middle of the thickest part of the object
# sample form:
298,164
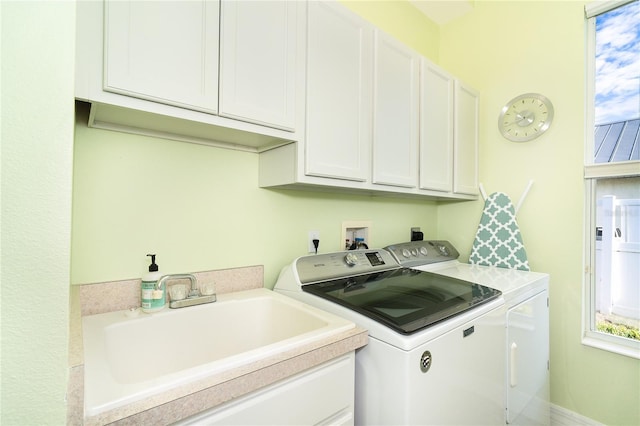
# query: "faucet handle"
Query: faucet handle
208,288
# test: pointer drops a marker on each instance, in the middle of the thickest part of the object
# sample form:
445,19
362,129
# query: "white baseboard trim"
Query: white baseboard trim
562,417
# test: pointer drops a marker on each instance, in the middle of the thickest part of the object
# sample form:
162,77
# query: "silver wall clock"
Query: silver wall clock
525,117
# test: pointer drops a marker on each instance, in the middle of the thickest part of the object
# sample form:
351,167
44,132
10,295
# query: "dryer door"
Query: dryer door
527,361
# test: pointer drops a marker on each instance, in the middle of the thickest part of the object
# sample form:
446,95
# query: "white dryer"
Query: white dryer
526,296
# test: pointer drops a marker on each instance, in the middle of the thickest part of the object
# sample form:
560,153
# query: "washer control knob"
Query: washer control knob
423,251
406,253
414,252
351,259
443,250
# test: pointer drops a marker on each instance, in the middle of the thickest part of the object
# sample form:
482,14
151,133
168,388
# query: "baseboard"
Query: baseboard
562,417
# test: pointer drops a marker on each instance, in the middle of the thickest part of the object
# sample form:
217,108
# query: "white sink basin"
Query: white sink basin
130,358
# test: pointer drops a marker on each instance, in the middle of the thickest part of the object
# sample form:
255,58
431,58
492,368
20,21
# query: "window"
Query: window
612,178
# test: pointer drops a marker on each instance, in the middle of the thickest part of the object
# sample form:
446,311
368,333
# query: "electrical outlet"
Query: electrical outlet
313,235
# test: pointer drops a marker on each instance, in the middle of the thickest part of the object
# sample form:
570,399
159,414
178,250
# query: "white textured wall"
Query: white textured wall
38,42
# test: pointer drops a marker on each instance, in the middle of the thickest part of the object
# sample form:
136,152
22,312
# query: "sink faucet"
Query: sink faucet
194,292
194,298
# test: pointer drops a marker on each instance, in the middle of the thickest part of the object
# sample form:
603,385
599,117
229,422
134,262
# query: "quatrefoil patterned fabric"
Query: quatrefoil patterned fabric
498,241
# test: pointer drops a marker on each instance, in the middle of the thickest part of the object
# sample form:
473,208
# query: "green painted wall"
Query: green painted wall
37,58
200,208
506,48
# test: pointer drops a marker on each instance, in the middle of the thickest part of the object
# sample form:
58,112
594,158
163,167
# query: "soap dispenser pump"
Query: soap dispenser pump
152,298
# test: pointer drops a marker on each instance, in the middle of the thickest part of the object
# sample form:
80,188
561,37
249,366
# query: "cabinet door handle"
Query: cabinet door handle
513,376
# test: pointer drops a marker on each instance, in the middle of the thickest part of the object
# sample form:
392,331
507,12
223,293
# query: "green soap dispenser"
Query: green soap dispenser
152,298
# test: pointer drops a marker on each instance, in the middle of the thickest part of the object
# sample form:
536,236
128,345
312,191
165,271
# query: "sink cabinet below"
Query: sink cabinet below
319,396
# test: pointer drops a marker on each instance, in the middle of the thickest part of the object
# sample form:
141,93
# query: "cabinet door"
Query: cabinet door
323,395
165,51
339,63
395,112
465,137
436,128
259,61
528,356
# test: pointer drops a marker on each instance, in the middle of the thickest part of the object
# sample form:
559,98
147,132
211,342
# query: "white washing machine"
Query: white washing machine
436,343
526,343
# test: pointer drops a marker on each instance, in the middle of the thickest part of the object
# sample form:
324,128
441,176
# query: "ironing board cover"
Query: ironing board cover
498,241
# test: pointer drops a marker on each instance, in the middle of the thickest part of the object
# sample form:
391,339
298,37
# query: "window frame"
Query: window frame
593,172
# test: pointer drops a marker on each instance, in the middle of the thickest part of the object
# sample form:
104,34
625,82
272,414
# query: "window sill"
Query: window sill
626,347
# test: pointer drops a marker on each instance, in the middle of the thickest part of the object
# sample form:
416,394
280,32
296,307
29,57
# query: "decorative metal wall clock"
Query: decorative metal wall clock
525,117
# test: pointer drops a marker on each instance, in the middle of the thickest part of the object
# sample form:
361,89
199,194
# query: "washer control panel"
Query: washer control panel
328,266
416,253
322,267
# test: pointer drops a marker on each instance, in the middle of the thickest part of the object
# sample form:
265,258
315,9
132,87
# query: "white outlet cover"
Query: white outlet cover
313,235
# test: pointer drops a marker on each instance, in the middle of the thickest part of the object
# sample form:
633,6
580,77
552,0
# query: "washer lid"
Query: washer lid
405,300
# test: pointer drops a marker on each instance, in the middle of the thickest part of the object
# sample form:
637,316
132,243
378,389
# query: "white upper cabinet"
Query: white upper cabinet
166,52
260,55
465,136
379,117
448,133
436,128
395,112
339,61
226,74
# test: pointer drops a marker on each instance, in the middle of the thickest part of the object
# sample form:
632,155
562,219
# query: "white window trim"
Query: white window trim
604,341
608,342
599,7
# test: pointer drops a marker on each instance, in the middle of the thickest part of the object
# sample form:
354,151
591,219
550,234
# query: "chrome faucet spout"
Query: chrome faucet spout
194,292
194,298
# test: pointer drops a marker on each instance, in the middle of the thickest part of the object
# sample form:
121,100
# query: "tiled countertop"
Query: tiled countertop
192,398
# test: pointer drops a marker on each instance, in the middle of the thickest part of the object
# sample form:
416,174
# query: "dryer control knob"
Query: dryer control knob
443,250
406,253
351,259
423,251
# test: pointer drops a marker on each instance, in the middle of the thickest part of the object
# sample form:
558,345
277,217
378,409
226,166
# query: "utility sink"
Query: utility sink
131,357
